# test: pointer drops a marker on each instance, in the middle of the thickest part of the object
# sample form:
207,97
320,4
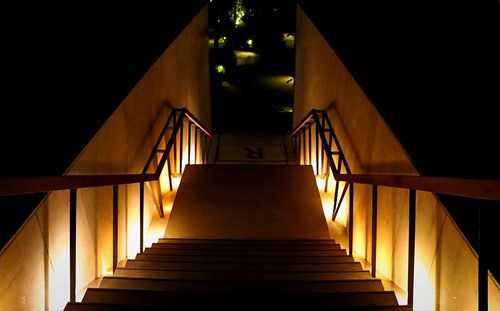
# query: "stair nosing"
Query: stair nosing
256,263
237,280
238,271
245,255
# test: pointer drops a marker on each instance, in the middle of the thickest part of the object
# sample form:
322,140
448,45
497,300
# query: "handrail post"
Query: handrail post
205,146
316,139
181,138
324,165
482,261
303,147
335,196
309,144
351,217
374,230
175,142
411,245
72,245
169,169
141,216
195,145
115,227
189,143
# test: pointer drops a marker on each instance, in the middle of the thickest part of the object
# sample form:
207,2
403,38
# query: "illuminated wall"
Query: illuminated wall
445,264
34,266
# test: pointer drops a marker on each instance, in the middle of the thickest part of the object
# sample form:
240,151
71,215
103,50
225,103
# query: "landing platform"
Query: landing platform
247,202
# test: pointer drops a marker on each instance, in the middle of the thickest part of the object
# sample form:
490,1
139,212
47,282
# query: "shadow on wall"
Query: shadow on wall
364,164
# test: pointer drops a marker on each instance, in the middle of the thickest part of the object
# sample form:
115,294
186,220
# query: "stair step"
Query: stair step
243,259
247,242
244,252
197,266
235,285
250,299
122,307
214,247
182,274
241,275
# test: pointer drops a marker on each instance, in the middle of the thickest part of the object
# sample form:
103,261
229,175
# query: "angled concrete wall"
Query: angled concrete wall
34,266
446,265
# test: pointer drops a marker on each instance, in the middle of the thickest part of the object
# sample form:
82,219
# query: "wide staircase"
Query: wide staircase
246,231
177,274
243,237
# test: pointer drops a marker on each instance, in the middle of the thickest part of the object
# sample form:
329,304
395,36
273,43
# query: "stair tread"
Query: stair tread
245,252
192,299
233,259
235,285
213,247
211,266
240,275
248,241
190,273
122,307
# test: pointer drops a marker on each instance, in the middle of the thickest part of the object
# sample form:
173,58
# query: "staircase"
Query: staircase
243,237
181,274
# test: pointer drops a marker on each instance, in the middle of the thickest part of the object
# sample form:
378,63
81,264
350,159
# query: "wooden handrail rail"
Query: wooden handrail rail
488,189
25,185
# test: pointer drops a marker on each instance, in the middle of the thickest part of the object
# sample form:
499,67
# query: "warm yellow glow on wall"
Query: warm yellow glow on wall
168,198
164,182
493,294
185,156
176,180
106,268
156,230
59,280
343,213
133,223
425,292
326,198
385,263
359,244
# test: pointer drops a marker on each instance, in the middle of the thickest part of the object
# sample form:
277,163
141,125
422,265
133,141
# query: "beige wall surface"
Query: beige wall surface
291,210
34,266
445,264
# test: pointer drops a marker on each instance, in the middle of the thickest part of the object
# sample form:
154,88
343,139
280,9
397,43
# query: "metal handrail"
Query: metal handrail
330,146
303,122
485,189
197,123
25,185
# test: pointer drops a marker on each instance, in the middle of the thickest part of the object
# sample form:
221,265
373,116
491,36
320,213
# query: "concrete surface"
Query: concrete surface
248,202
252,148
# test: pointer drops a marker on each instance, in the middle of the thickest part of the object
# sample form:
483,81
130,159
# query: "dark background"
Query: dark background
248,104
